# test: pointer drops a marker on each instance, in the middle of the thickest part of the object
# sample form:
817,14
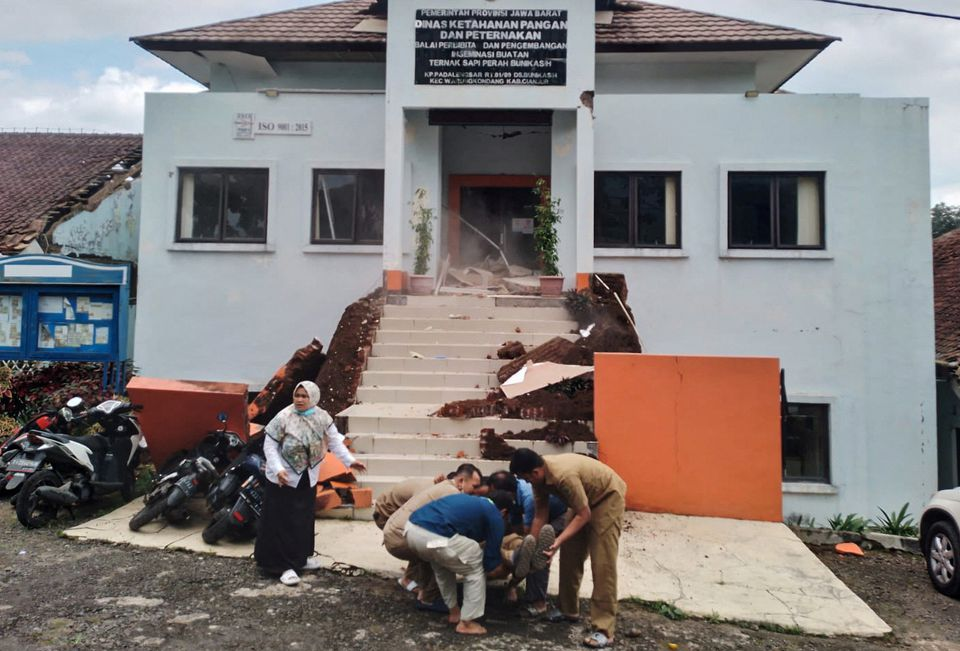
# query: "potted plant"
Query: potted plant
422,223
545,239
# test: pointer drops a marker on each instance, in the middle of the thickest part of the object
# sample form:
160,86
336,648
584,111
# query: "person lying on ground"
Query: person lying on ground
535,595
448,533
464,479
595,494
296,441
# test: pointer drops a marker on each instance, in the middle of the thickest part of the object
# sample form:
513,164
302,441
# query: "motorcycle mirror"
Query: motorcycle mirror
222,416
234,441
74,402
66,414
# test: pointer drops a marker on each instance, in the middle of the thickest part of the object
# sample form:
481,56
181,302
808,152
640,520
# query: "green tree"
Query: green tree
944,218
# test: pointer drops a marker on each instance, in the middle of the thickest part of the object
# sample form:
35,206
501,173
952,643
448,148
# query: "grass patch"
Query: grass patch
668,610
673,613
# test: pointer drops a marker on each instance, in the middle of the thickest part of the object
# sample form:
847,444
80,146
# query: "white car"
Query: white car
940,540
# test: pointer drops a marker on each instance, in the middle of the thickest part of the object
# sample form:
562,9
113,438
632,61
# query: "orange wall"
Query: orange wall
692,435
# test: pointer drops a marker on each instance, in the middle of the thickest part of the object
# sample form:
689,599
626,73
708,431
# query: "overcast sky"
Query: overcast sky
69,63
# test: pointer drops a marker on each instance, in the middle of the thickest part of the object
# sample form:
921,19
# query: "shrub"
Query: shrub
48,386
545,238
849,522
896,523
422,224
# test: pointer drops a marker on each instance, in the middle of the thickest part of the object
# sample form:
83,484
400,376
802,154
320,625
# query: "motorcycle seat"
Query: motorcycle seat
97,444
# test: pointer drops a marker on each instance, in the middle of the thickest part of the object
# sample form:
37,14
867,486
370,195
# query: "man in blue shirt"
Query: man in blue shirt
447,534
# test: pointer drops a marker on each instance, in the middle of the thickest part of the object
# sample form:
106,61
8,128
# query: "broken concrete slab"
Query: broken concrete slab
535,376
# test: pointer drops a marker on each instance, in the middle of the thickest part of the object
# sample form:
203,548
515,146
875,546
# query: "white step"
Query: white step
483,325
459,365
416,419
423,465
445,446
451,300
414,379
438,395
529,339
435,351
476,312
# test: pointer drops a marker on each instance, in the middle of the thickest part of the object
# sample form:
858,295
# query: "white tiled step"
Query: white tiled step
476,312
483,325
382,483
423,465
416,419
435,351
346,513
449,446
451,299
408,363
466,337
439,395
412,379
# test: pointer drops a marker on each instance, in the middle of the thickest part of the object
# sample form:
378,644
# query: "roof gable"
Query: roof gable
45,176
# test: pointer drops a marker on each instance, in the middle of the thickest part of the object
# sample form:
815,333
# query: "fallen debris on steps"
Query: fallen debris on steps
278,392
511,350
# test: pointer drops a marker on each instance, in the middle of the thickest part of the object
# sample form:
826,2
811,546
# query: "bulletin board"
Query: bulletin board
62,309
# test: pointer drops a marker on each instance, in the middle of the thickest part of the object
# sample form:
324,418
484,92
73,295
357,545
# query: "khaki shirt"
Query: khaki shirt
388,503
398,520
578,480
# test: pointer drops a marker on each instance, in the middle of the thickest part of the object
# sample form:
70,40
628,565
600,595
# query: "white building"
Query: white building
747,221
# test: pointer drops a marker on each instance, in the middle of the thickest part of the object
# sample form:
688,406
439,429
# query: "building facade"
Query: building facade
747,221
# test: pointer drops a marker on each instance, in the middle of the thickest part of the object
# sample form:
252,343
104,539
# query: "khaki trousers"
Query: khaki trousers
450,557
417,569
600,539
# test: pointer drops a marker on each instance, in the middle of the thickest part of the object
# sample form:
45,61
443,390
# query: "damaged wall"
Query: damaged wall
112,230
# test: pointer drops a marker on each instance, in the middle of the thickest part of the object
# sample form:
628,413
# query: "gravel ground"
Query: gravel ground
62,594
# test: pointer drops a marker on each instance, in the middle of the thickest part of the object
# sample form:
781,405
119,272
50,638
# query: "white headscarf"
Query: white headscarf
313,393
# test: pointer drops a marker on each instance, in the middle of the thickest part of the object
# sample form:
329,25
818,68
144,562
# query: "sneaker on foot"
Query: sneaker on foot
545,539
289,578
313,563
525,554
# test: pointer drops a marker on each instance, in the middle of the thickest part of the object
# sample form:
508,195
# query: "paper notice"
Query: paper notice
84,334
3,336
68,309
60,336
50,305
83,304
101,311
16,309
5,308
45,338
13,337
103,336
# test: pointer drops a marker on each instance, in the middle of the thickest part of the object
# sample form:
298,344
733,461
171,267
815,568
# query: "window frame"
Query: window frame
827,479
632,210
223,171
774,177
315,173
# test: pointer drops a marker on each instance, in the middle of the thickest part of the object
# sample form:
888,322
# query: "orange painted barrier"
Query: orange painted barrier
177,414
692,435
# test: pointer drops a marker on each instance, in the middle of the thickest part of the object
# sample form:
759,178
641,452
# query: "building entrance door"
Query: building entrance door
499,207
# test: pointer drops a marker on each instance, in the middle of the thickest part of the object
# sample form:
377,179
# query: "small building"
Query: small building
747,220
946,297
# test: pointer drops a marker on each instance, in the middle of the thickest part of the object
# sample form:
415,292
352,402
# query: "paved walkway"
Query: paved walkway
710,567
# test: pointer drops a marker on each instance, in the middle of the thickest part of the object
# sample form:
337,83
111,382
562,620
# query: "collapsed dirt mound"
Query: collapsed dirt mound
339,376
551,403
494,446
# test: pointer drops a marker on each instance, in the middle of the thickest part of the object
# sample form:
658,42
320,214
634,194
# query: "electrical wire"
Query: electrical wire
901,10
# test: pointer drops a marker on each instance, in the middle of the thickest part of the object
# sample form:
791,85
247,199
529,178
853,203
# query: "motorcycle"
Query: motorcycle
186,475
236,499
64,471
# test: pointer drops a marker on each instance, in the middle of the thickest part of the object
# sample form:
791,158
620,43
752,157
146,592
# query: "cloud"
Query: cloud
13,58
111,103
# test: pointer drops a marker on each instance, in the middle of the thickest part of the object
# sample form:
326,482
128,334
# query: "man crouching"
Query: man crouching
447,534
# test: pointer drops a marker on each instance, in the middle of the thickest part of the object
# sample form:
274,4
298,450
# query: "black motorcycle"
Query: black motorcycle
187,474
239,520
65,471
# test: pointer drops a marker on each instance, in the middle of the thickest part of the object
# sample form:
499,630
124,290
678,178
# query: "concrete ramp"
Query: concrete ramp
709,567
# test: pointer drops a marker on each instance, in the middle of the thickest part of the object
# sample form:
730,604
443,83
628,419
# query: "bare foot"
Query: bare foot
470,628
454,616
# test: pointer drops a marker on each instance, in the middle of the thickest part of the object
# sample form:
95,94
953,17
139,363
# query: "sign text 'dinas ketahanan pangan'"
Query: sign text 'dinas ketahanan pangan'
491,47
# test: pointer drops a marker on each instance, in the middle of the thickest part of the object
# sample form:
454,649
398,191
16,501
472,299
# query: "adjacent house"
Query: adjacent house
946,297
748,221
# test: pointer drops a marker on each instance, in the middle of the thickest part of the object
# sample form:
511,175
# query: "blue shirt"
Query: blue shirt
525,499
468,515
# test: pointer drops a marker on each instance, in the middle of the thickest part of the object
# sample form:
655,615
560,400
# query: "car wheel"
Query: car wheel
943,552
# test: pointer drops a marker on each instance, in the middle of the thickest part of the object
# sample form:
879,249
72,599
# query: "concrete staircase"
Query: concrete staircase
430,350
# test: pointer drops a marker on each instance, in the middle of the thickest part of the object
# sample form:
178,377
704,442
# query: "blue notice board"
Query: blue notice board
62,309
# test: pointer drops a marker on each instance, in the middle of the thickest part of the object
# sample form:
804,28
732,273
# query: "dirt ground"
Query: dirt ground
61,594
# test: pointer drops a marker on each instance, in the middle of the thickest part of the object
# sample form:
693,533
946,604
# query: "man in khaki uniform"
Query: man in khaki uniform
595,494
386,505
465,479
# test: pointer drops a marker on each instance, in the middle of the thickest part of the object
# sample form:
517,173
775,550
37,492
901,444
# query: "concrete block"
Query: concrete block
362,497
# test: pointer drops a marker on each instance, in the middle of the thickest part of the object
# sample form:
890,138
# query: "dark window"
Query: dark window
347,206
222,205
637,210
776,211
806,442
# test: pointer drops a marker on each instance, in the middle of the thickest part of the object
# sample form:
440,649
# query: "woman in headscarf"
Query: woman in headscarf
295,443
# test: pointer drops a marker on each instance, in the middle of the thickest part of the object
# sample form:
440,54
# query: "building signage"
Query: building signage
247,125
491,47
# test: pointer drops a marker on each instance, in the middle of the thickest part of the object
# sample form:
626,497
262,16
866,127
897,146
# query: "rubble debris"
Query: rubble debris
493,447
327,498
557,350
555,432
849,548
542,374
511,350
552,403
278,392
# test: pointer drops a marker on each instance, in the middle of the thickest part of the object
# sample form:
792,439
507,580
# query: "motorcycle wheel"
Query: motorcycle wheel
217,528
147,513
31,511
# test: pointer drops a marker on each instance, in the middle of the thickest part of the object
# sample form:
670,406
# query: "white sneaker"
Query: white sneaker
289,578
313,563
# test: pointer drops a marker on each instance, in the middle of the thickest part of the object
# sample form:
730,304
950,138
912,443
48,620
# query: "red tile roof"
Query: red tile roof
636,26
43,175
946,295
